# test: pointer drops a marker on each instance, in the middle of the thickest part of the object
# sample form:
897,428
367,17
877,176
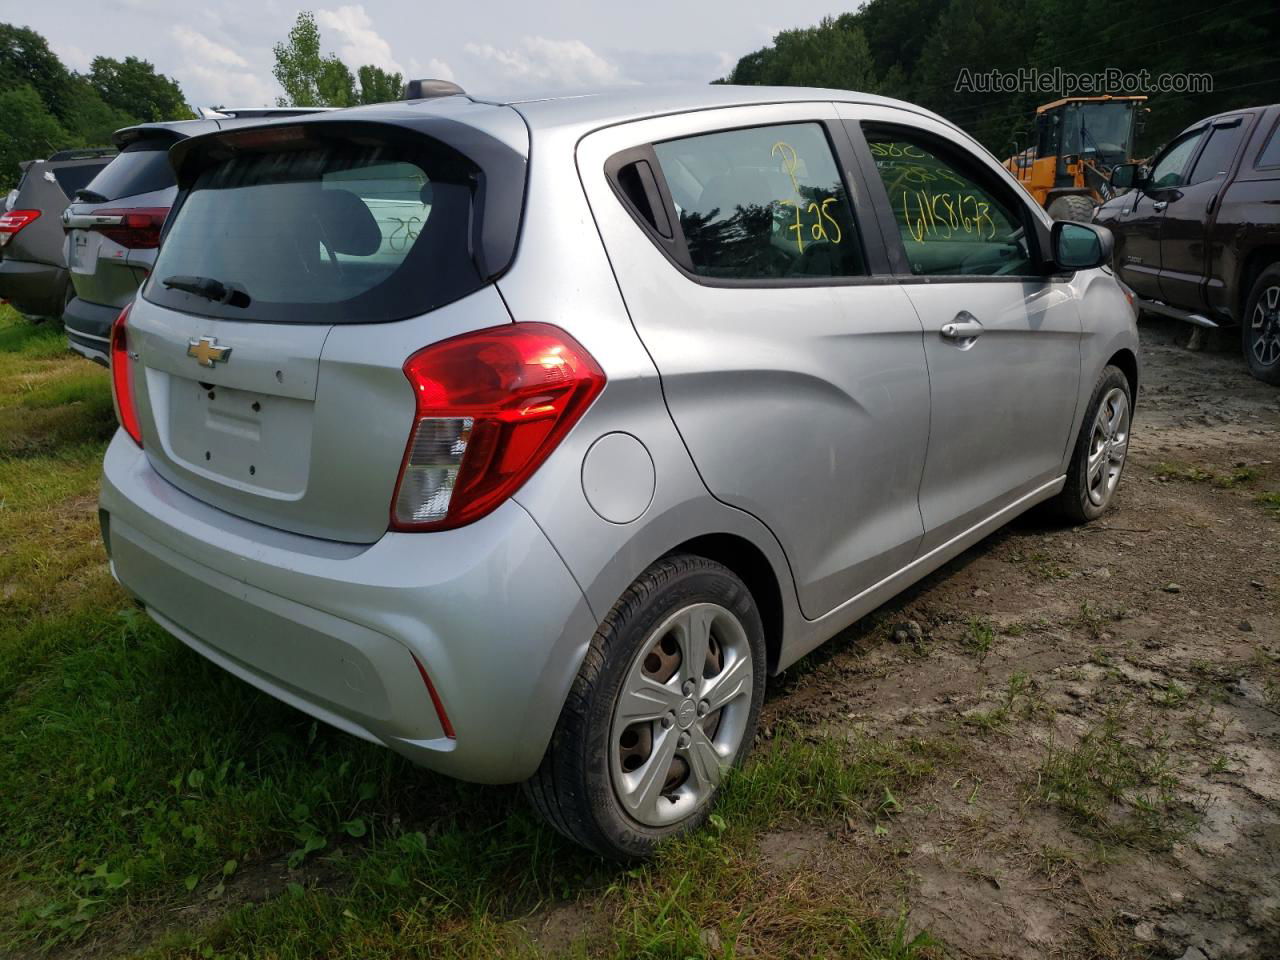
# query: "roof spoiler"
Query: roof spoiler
430,89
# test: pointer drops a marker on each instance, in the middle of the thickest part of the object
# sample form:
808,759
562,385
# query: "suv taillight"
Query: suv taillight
122,377
137,228
15,220
491,406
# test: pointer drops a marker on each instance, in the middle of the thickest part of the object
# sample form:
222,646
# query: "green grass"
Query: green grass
146,796
1119,785
1238,476
1271,503
1182,471
979,636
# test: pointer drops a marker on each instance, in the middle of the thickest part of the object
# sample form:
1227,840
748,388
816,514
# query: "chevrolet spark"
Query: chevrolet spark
528,438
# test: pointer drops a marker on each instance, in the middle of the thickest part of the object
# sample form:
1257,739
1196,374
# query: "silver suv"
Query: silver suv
528,438
113,225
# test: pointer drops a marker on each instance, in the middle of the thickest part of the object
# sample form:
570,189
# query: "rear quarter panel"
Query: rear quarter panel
562,275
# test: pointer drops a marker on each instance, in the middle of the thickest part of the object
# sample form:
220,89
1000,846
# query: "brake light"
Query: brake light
15,220
122,377
491,406
137,228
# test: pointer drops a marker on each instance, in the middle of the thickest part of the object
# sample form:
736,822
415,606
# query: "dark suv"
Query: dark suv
33,272
1198,236
113,225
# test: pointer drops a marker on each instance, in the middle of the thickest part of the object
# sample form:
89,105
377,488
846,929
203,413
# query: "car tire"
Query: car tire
1260,327
620,781
1101,450
1072,207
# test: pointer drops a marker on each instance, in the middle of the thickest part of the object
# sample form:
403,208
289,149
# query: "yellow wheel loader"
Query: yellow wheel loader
1077,140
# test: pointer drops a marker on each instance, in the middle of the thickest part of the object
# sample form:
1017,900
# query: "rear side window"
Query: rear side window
139,168
1215,159
334,232
1270,156
71,179
950,223
762,203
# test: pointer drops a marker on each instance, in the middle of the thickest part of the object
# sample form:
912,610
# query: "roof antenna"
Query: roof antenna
430,89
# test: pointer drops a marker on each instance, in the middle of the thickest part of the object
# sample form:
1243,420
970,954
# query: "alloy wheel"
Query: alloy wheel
680,718
1265,324
1108,445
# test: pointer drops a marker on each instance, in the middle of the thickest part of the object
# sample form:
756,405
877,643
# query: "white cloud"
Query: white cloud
72,56
433,69
218,72
199,47
557,63
360,43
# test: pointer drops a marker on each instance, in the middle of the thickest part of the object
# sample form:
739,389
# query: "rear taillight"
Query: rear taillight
492,405
122,377
137,228
15,220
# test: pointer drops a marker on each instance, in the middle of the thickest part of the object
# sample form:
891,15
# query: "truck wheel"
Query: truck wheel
1260,329
1072,207
667,700
1098,458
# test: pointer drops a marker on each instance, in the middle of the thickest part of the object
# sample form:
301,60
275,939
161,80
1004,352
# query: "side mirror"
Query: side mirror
1125,176
1080,246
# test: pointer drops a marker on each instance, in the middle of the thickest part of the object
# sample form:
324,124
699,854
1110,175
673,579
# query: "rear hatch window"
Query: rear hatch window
74,178
317,228
141,167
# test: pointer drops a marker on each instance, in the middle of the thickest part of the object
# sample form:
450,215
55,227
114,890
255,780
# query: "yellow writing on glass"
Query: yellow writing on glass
942,216
894,149
824,225
790,161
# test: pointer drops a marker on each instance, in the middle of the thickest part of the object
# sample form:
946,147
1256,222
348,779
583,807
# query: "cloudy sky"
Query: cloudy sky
220,50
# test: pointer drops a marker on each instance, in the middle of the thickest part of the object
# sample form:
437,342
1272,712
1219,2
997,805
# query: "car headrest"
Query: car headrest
345,224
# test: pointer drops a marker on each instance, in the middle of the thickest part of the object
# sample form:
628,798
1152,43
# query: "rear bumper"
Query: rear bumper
490,611
36,289
88,327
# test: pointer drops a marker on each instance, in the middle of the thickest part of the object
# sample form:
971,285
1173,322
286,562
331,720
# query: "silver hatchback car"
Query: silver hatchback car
527,438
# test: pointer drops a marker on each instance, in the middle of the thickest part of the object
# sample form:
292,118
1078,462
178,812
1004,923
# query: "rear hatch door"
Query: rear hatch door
301,268
118,216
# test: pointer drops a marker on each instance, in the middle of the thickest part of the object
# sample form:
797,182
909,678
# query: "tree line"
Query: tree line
45,107
915,49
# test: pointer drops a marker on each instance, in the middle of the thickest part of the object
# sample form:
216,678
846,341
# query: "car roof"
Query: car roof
1239,111
597,108
623,104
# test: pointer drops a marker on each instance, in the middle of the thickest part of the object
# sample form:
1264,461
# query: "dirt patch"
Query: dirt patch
1118,687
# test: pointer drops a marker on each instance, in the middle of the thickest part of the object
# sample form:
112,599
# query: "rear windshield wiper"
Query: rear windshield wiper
209,288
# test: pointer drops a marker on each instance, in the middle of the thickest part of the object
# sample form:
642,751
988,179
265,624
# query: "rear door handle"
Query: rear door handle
1159,206
964,327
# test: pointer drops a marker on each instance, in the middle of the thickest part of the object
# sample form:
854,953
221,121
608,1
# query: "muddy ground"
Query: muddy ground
1114,695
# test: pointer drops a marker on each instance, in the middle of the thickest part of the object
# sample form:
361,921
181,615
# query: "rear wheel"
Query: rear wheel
667,700
1100,451
1260,331
1072,207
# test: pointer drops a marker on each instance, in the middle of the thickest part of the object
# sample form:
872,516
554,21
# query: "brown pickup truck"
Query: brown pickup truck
1198,235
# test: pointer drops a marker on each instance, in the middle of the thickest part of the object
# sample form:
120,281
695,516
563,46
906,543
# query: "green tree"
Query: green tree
25,58
27,130
828,55
90,120
309,78
133,86
379,86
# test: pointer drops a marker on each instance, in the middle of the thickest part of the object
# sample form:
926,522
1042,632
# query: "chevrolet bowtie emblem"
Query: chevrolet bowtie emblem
206,351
